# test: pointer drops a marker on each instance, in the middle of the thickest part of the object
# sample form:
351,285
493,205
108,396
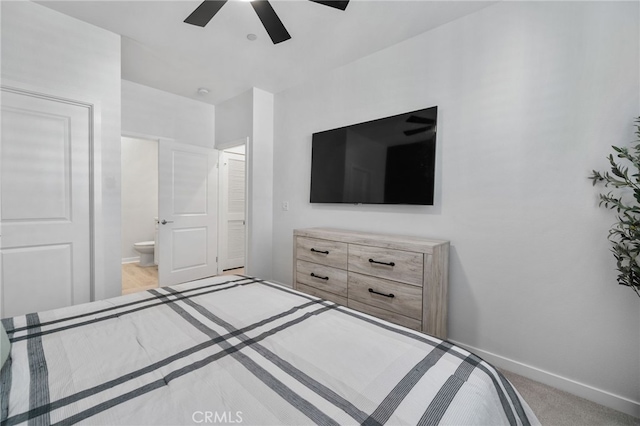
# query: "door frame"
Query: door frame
159,140
96,223
165,140
134,135
222,147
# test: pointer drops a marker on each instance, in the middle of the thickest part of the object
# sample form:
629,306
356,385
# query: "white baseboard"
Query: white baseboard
582,390
131,259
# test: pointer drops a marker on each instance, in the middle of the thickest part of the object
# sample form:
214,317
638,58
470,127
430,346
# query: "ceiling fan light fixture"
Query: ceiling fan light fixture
269,18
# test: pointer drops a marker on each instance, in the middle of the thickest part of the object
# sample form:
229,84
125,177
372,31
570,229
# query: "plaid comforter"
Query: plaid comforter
238,350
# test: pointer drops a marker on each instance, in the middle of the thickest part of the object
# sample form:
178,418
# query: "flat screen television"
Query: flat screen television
386,161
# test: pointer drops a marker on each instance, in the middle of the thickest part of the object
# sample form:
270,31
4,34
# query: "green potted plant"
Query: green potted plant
624,235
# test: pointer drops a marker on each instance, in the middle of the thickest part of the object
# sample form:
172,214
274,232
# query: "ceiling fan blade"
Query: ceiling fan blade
416,131
203,13
338,4
270,20
420,120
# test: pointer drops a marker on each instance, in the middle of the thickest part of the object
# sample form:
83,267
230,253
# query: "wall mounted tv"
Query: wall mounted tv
386,161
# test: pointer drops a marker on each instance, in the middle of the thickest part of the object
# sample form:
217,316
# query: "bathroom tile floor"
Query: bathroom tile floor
137,278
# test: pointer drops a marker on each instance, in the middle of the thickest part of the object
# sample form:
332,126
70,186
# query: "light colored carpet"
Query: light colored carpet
554,407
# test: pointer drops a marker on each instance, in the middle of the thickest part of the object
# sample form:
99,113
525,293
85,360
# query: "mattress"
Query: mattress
240,350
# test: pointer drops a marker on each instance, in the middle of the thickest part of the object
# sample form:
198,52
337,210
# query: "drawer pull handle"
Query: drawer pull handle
381,294
320,251
382,263
319,277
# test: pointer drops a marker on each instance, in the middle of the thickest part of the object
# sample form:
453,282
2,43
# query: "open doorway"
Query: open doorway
169,212
232,223
139,168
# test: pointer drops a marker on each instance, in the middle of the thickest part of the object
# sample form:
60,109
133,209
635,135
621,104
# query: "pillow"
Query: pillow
5,346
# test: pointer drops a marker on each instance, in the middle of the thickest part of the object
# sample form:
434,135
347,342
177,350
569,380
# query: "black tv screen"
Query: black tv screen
385,161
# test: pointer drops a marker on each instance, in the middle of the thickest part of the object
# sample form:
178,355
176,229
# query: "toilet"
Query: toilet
146,250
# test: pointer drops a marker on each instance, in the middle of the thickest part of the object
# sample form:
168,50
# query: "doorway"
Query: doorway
232,218
139,170
169,212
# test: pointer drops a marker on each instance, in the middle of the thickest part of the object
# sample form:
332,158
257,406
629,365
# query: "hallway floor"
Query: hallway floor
136,278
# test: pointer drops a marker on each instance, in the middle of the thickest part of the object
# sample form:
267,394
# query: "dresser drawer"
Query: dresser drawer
406,300
413,269
386,315
322,294
322,277
330,253
404,266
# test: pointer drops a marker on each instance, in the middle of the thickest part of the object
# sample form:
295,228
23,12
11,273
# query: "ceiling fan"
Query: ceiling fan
276,30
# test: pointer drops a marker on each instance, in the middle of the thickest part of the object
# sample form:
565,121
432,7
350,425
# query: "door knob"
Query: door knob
164,222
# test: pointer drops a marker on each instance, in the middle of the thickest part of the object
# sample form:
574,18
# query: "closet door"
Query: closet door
45,212
232,210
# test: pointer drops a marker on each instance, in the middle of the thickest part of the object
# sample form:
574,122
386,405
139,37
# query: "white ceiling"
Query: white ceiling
159,50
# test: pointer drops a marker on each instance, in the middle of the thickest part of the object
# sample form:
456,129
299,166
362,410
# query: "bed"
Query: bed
239,350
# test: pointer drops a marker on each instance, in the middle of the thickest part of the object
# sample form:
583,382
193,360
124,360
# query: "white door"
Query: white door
232,210
187,211
45,209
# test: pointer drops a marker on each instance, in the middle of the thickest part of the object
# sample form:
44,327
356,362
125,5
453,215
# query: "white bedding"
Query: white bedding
236,350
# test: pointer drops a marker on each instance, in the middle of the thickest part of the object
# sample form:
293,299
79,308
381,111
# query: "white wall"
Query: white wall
139,193
235,119
59,54
531,95
260,187
152,112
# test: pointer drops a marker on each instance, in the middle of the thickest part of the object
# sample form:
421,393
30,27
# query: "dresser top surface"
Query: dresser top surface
400,242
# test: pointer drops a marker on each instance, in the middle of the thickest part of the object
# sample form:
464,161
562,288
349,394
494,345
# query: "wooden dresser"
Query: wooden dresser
397,278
